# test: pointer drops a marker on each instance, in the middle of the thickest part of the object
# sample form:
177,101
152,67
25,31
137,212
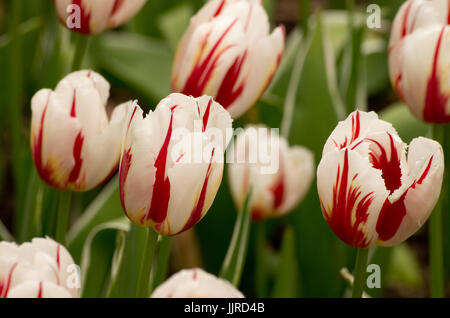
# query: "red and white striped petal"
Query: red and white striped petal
26,269
74,144
38,289
167,180
228,53
97,15
410,206
420,79
351,193
196,283
425,84
375,168
355,129
124,10
279,175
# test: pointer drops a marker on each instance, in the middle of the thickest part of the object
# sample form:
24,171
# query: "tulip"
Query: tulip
196,283
172,162
41,268
228,53
370,190
419,52
95,16
279,180
74,144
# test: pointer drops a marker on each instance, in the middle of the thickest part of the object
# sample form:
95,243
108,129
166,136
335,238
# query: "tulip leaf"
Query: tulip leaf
404,268
287,277
139,61
174,23
316,107
105,207
446,200
97,257
124,281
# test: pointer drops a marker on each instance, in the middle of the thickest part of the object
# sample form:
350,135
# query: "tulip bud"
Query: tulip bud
228,53
95,16
74,144
280,175
41,268
419,54
196,283
372,190
172,162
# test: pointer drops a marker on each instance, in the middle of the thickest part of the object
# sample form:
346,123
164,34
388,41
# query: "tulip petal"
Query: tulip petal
352,201
417,197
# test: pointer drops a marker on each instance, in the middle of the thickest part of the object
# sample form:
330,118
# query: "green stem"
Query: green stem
147,263
261,256
16,82
359,272
80,51
235,258
63,216
436,235
305,9
162,261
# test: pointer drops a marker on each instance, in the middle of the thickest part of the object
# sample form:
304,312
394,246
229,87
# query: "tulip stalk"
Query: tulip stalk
436,236
63,216
147,264
359,272
80,51
235,258
162,261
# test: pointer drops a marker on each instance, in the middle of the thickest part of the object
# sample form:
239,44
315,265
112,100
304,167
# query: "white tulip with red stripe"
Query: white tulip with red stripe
277,192
372,190
419,55
172,162
96,16
196,283
74,144
228,53
41,268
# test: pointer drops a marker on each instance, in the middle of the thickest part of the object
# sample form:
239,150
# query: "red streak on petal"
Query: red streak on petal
85,18
123,174
77,148
39,295
73,109
219,8
346,200
161,187
58,259
436,100
206,115
4,287
196,212
399,86
356,128
405,19
392,214
278,188
227,93
248,17
202,71
117,5
194,276
390,168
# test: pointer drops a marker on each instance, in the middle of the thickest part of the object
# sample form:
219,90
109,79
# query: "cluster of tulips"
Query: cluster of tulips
373,188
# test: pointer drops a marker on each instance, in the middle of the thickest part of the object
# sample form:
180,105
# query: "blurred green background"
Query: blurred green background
332,64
